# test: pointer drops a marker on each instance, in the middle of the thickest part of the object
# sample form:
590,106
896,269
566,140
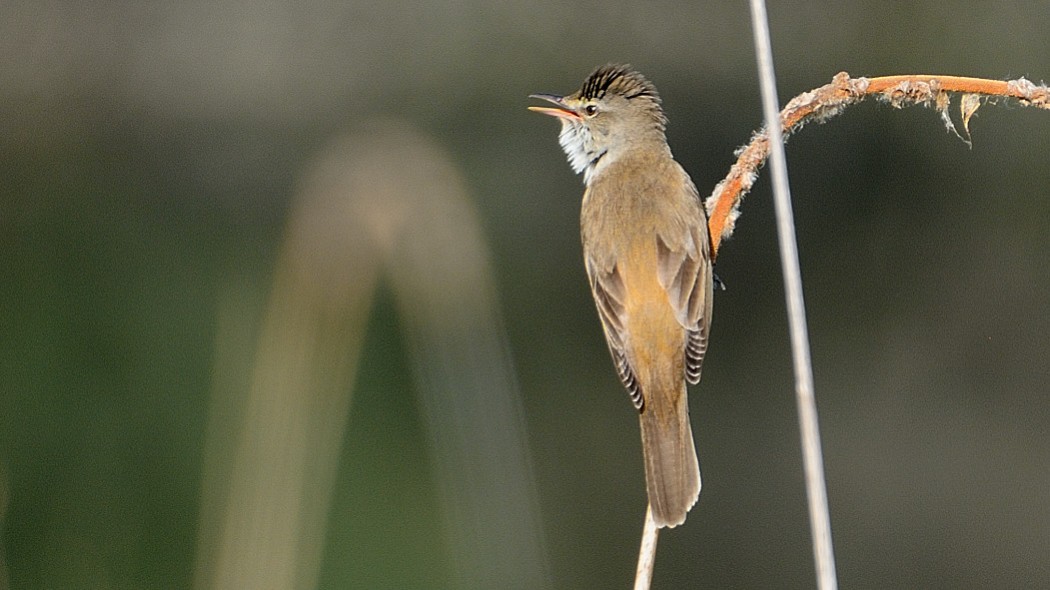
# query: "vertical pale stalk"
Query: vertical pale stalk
643,577
813,464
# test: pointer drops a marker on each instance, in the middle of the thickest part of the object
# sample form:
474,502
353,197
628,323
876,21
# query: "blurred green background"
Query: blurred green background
150,154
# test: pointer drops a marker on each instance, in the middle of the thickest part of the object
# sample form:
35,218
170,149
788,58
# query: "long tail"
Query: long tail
672,473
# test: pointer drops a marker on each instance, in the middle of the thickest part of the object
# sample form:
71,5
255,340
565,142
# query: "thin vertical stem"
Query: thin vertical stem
647,553
813,464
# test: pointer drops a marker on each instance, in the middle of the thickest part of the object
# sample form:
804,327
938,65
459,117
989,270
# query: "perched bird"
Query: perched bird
648,258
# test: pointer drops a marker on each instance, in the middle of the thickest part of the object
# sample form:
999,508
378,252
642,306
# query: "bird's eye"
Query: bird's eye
591,110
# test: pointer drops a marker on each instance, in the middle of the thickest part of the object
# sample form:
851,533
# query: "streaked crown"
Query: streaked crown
620,79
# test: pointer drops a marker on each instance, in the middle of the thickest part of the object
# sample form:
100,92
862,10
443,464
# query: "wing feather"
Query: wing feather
607,287
684,271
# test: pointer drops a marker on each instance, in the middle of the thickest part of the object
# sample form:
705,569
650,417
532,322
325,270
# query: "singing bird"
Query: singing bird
648,257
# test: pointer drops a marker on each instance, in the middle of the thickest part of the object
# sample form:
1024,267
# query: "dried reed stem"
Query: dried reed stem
821,104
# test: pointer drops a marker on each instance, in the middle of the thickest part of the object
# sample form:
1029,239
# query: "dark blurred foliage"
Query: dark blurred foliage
148,156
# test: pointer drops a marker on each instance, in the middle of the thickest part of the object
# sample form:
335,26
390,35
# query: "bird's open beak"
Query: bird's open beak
560,111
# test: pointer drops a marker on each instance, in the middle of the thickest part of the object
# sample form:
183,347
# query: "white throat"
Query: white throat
579,146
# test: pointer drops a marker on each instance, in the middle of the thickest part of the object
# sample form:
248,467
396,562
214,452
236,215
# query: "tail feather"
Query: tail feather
672,473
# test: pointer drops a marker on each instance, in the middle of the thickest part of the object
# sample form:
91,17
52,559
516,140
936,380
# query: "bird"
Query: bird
647,254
